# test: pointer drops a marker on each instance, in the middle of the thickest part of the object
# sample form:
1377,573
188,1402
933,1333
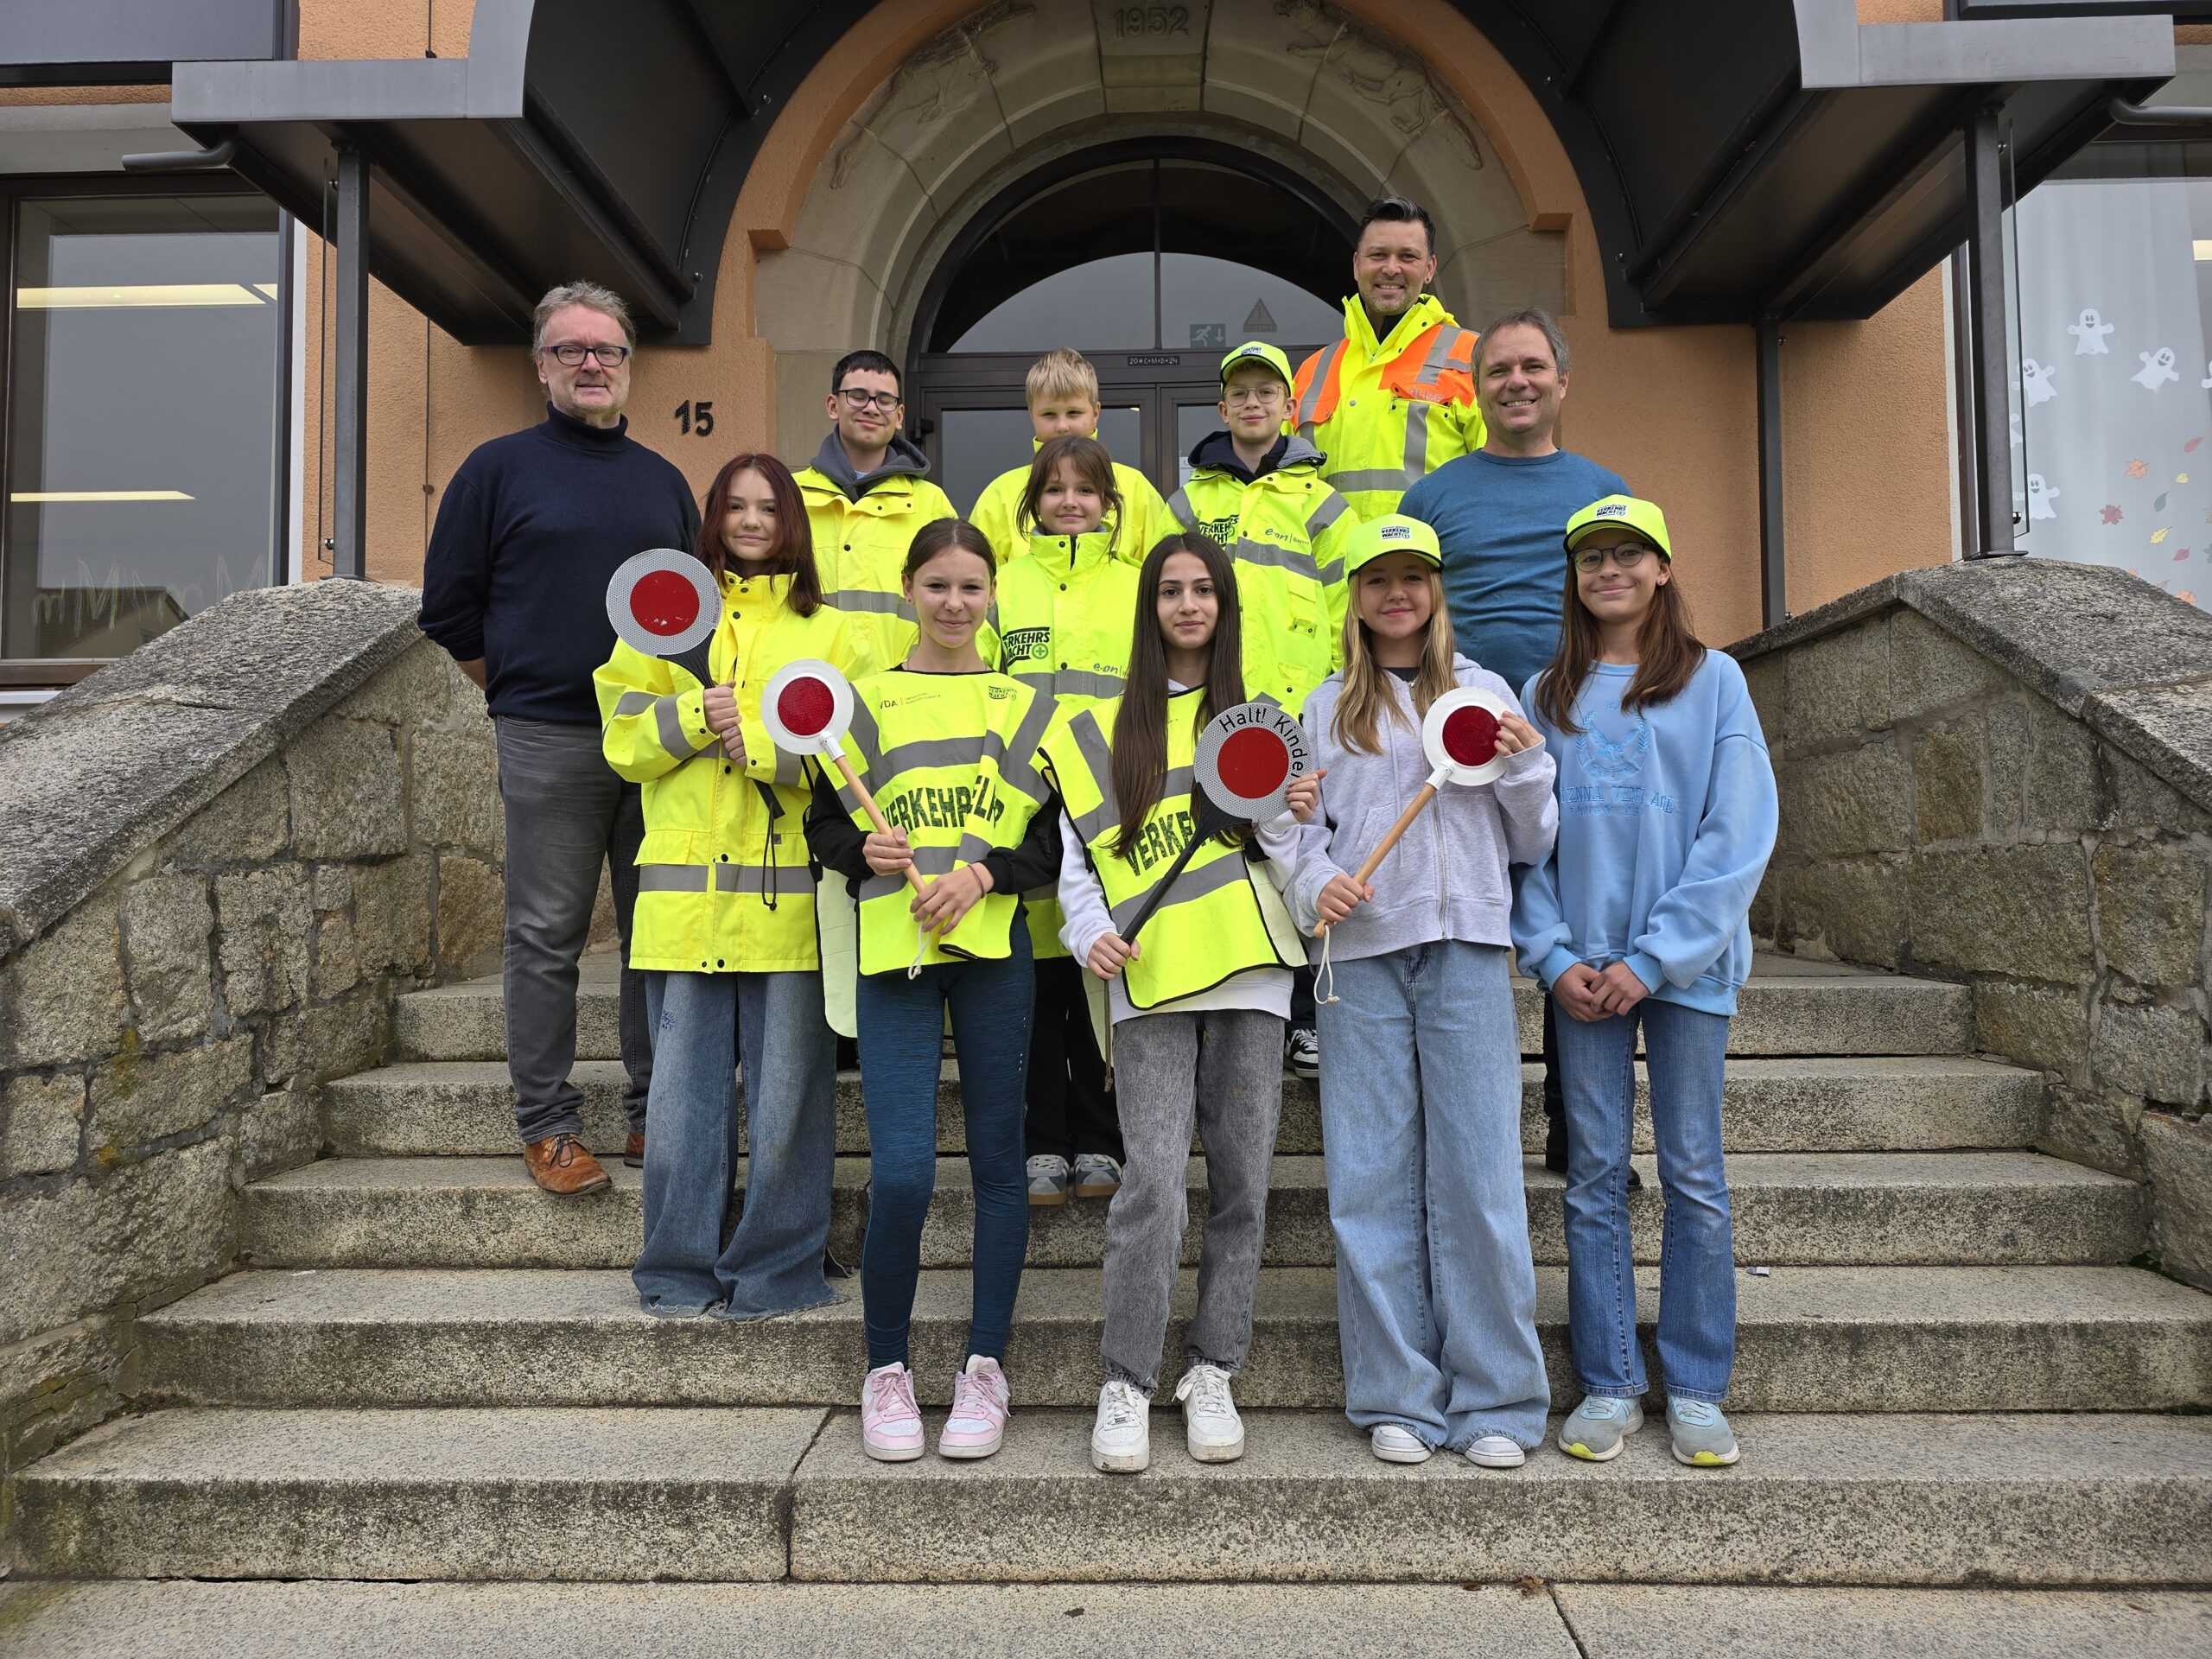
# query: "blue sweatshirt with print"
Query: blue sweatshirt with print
1666,820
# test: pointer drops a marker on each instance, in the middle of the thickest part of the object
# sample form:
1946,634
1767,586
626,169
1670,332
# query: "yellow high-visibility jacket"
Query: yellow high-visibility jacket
1388,412
998,514
1287,531
724,881
861,545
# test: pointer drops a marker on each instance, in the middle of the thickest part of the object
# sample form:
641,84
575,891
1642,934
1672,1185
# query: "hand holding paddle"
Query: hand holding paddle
808,709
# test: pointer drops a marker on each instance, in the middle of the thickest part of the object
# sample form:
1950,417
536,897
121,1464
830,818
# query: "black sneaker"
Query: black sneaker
1302,1053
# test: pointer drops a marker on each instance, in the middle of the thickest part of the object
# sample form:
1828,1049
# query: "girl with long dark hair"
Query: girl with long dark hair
725,921
1197,1001
1640,918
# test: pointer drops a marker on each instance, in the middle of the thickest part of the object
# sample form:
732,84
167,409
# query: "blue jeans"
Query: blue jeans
1685,1049
902,1030
773,1263
1421,1127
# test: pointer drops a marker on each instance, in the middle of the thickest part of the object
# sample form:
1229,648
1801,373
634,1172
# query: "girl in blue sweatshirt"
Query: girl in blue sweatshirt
1639,918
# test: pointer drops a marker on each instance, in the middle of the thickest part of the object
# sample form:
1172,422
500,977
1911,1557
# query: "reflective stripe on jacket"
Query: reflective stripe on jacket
861,547
724,884
1286,532
1223,916
998,513
1065,612
951,758
1386,413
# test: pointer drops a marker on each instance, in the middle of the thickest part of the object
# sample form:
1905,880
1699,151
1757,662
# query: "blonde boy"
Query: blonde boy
1062,391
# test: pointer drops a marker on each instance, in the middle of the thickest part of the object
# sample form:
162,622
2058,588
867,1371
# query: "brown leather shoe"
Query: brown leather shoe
633,1152
561,1166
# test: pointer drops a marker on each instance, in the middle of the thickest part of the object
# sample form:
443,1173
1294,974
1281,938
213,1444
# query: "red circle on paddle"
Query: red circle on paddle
1253,763
663,603
1471,736
805,707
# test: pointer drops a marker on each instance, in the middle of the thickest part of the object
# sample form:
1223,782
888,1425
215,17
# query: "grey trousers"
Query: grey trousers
1224,1069
567,814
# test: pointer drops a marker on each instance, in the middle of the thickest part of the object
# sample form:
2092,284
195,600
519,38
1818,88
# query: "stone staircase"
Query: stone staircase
1949,1374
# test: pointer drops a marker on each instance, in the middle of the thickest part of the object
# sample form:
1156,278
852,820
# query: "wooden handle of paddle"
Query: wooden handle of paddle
1422,797
874,812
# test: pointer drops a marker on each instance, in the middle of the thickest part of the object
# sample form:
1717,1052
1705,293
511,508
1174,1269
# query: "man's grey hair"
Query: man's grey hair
604,300
1531,317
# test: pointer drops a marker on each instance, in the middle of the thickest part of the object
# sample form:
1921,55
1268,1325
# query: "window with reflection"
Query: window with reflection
143,369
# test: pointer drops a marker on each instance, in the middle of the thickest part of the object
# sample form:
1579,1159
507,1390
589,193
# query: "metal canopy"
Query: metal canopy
576,140
1740,158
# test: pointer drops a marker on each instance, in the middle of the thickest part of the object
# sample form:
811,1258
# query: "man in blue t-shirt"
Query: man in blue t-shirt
1500,515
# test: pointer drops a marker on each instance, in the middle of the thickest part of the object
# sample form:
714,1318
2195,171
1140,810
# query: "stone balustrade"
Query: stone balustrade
2001,774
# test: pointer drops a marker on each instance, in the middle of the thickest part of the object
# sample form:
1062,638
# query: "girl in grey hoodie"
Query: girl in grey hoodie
1420,1056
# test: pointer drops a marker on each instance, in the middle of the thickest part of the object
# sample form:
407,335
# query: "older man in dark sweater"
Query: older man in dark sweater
514,586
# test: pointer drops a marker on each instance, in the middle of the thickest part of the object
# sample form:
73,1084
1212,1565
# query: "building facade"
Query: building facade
1743,214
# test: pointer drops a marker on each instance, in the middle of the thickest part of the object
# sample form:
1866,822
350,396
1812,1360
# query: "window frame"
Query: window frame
34,672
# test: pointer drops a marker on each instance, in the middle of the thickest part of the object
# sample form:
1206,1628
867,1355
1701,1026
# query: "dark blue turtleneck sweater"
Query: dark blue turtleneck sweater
528,534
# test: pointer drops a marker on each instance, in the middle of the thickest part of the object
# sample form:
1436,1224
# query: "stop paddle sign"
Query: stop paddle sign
807,707
663,602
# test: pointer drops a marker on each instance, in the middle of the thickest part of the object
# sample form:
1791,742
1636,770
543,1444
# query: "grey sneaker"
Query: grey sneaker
1096,1176
1496,1451
1048,1181
1594,1430
1702,1437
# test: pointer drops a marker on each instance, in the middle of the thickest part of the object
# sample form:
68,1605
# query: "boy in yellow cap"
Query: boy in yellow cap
1062,391
1256,487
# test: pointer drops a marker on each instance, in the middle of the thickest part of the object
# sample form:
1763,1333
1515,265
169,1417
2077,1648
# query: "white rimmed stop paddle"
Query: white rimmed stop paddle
1248,757
1458,738
663,602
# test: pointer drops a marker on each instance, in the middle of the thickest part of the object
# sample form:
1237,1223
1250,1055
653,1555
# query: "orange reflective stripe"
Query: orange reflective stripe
1446,372
1317,392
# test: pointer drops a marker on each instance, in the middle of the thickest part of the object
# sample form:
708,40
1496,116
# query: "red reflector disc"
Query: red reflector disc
1471,736
1253,763
663,602
805,707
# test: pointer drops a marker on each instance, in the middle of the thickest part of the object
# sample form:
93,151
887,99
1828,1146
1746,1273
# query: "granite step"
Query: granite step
183,1619
609,1494
1792,1006
1882,1103
1985,1208
1809,1340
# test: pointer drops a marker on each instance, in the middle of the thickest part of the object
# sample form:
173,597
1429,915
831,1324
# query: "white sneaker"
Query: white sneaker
1496,1451
1121,1440
1395,1444
1211,1427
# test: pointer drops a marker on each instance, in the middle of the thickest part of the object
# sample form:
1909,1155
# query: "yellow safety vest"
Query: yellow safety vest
724,883
998,513
1286,532
1065,612
861,547
1222,918
1386,413
951,758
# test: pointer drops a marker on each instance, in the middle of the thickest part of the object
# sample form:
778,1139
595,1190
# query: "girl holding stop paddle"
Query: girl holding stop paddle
1195,954
725,920
1420,1056
1640,918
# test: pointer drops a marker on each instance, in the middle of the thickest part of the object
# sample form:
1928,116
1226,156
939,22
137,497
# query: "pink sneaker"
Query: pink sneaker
980,1410
891,1423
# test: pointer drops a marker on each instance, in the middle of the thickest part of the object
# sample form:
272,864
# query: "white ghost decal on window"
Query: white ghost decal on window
2035,378
2090,336
2040,496
2158,369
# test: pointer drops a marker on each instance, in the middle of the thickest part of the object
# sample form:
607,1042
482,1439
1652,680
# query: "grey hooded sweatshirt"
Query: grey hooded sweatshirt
1448,877
904,457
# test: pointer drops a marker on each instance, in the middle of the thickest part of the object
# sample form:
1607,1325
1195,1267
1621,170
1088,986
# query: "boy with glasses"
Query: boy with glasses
867,494
1257,489
1062,392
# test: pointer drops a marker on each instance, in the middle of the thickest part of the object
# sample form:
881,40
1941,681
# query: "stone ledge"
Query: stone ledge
2131,662
111,766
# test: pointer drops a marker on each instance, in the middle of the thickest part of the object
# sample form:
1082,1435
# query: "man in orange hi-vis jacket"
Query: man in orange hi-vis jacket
1395,398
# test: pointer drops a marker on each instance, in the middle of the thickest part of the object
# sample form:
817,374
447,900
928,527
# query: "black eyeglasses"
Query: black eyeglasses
1627,558
570,355
857,400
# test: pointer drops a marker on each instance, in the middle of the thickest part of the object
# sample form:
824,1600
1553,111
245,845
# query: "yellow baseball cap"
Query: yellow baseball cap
1395,534
1621,512
1258,350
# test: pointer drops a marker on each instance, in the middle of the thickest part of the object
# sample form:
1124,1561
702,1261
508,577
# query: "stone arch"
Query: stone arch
1019,83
